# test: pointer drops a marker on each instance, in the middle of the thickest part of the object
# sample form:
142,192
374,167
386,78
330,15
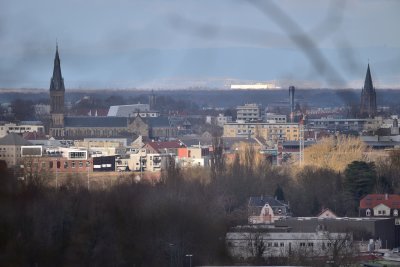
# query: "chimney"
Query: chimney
386,196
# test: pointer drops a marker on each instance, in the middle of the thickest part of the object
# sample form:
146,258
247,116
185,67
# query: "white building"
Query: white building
242,242
248,112
220,120
20,128
275,118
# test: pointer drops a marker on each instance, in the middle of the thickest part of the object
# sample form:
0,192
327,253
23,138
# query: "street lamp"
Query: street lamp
88,174
190,259
171,247
57,162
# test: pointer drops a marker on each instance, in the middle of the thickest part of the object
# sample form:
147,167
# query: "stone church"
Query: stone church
77,127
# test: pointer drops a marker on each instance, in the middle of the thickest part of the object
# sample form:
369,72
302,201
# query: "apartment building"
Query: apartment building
249,113
268,131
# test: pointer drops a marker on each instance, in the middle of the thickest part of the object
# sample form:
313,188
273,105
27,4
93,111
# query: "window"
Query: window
80,164
77,154
310,244
282,244
73,164
275,244
50,165
368,212
87,163
302,244
269,244
65,164
395,212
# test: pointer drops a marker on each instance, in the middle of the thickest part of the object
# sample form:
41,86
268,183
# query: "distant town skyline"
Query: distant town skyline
177,44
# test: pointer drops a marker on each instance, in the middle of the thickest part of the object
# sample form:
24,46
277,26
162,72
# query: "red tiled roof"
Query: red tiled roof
372,200
166,145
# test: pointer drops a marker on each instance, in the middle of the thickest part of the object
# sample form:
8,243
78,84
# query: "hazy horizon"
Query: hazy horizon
182,44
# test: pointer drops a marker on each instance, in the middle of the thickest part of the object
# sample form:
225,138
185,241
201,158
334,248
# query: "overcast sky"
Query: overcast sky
130,43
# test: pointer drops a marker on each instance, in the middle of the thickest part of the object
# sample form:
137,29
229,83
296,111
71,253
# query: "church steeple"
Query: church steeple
57,93
368,97
368,86
57,81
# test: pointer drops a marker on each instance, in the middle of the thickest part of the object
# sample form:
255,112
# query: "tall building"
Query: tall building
291,102
152,100
368,97
57,93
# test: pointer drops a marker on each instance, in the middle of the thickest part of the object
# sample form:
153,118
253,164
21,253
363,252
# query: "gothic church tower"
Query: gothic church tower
57,92
368,97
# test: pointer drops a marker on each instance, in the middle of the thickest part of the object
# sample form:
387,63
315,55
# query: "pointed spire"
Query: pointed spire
368,86
57,81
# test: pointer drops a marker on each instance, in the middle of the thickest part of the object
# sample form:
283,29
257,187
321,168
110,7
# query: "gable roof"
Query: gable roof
326,213
372,200
13,139
166,145
262,200
86,122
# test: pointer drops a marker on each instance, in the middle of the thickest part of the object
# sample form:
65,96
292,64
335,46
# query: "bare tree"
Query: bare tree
335,152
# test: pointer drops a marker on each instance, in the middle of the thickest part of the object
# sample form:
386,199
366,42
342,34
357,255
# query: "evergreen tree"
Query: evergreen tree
279,195
360,179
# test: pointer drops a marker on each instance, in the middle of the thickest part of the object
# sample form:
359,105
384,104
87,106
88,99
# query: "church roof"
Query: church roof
57,81
98,122
127,110
368,86
158,122
14,139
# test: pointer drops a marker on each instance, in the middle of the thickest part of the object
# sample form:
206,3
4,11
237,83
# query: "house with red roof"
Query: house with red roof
380,205
167,147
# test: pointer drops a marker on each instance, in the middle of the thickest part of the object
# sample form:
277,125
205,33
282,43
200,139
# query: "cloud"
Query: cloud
127,41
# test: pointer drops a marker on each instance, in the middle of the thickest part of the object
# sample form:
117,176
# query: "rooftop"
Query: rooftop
14,139
372,200
85,122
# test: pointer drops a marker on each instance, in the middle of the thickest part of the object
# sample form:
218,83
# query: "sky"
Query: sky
186,43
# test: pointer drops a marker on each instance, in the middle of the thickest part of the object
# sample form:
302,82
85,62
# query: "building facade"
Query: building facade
380,205
248,113
269,131
20,128
10,148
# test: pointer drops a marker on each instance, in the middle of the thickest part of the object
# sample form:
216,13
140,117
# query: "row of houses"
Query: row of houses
109,154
